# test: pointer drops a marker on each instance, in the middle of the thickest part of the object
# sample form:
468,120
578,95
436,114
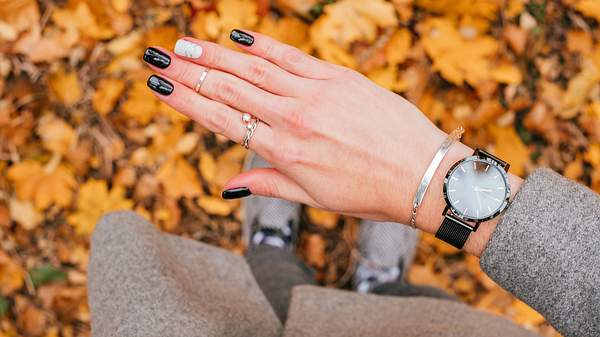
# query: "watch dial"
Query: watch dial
476,189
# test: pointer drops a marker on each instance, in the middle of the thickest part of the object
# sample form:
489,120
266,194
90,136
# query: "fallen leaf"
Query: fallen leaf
56,134
32,320
12,275
510,148
25,214
589,8
65,86
314,247
458,59
216,206
108,92
178,178
44,186
507,74
46,274
141,105
322,218
94,200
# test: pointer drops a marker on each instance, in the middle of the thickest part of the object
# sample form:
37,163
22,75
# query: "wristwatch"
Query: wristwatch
476,189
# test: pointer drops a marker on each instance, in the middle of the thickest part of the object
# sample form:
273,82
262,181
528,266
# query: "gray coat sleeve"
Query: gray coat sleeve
546,251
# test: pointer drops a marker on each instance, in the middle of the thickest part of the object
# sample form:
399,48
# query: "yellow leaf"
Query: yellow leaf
208,167
82,19
592,155
322,218
526,315
65,87
509,147
398,46
230,14
11,275
56,134
487,9
589,8
94,199
387,77
178,178
141,105
458,59
347,21
507,74
108,92
43,186
579,88
216,206
289,30
25,214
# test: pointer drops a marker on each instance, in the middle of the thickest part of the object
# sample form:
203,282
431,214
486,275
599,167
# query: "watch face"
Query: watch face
476,189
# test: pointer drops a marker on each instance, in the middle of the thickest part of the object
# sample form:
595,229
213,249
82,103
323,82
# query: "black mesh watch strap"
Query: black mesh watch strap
454,231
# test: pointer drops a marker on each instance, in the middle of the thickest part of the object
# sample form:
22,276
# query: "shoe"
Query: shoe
269,221
386,252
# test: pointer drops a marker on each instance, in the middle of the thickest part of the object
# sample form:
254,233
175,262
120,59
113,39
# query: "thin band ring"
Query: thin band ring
201,80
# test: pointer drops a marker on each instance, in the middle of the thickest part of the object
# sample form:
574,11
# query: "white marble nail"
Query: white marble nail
188,49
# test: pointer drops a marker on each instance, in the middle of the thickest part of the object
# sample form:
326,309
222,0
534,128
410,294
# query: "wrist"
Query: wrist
430,213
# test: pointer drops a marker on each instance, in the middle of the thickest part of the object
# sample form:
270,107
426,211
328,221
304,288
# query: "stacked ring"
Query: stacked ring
251,125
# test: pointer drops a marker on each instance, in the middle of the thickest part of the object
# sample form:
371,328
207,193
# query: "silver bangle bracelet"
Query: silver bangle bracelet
433,166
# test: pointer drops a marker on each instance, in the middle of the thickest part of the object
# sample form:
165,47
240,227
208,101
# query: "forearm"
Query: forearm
429,215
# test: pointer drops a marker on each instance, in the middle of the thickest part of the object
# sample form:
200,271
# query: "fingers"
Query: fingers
217,117
287,57
268,182
255,70
218,85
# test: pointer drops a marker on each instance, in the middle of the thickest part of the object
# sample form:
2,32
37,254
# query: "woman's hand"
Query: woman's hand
336,140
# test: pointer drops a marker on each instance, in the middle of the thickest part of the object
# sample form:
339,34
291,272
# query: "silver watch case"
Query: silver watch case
505,202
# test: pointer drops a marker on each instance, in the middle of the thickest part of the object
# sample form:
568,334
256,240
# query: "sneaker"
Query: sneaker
269,221
386,251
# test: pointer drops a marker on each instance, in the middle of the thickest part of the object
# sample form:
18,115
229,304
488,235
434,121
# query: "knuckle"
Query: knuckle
226,91
258,73
270,188
294,118
184,74
218,120
268,50
293,56
288,156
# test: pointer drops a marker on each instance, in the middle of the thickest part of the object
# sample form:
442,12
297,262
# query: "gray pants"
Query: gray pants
277,271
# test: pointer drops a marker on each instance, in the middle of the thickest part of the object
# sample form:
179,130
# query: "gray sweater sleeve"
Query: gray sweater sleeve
546,251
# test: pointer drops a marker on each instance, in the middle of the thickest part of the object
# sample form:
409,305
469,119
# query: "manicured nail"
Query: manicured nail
157,58
241,37
188,49
160,85
236,193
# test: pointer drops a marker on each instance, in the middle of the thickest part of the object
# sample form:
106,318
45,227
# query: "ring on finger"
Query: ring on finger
251,125
201,80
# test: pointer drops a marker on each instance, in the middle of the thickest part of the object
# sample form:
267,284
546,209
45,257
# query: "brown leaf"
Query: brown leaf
65,87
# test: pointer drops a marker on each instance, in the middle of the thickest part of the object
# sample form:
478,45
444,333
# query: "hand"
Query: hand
335,139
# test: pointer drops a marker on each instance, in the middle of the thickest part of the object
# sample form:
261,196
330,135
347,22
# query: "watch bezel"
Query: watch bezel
490,161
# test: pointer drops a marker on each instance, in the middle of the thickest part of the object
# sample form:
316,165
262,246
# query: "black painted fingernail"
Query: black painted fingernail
157,58
160,85
241,37
236,193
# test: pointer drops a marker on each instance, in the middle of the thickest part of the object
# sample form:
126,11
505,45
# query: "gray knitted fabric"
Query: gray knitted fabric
546,251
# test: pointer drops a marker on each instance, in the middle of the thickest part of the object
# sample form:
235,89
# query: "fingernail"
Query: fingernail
160,85
157,58
188,49
236,193
241,37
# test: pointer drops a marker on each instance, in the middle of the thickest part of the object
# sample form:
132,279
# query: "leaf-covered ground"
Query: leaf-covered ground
81,135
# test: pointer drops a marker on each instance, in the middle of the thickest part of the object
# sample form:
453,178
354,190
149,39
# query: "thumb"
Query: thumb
268,182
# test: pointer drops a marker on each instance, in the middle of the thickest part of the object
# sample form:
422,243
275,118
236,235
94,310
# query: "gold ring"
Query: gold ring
201,80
